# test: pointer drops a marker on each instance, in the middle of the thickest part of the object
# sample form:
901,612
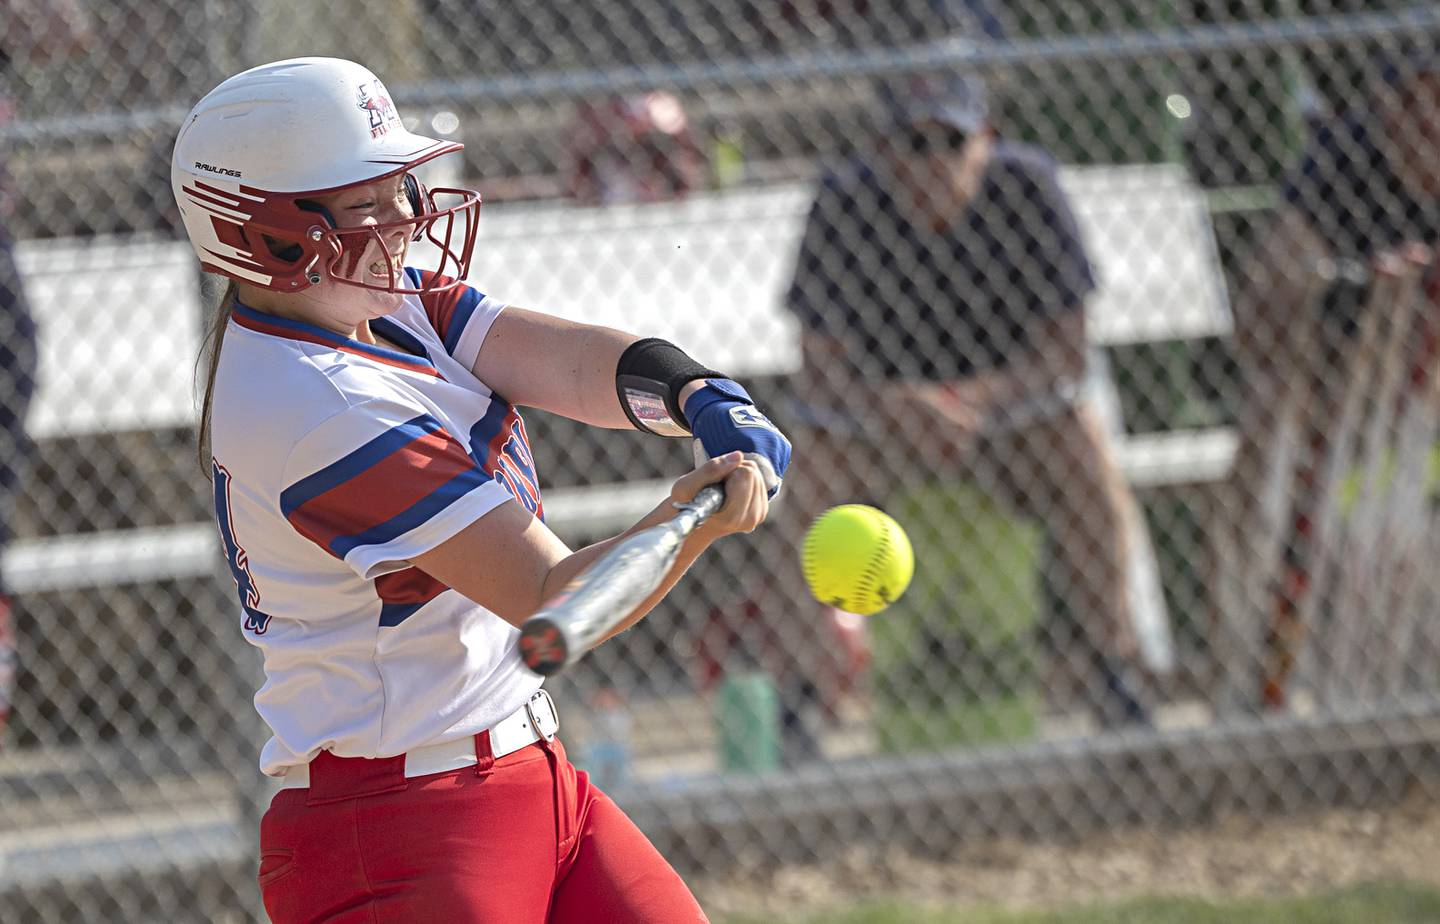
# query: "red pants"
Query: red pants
521,839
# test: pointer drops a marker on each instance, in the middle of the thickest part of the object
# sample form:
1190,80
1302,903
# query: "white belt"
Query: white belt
535,720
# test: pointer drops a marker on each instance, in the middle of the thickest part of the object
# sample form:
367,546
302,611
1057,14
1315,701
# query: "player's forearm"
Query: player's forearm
567,569
686,557
1054,356
1059,345
1013,382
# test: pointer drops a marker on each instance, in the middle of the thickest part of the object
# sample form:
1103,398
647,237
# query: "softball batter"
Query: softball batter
378,502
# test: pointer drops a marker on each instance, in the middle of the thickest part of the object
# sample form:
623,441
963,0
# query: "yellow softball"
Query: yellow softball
857,559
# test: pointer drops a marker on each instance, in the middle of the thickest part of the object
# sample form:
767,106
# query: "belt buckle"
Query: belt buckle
554,717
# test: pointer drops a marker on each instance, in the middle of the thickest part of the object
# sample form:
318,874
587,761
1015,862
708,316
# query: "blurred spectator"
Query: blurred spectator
635,148
34,30
1366,193
940,286
1370,182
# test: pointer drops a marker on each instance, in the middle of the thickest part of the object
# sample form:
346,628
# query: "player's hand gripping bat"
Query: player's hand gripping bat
602,595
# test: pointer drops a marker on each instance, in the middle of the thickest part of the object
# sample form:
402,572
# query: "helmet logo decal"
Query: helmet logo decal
371,97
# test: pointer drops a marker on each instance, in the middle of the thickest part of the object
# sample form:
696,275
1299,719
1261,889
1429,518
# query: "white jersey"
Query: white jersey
335,464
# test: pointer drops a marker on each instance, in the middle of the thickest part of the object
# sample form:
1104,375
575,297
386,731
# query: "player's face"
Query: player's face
340,306
941,166
373,204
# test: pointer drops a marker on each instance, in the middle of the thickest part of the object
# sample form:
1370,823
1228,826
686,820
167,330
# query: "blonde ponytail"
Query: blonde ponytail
210,357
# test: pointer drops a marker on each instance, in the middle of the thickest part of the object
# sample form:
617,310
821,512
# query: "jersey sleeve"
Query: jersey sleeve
461,316
382,482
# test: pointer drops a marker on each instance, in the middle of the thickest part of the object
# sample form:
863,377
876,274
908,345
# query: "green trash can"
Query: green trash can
748,723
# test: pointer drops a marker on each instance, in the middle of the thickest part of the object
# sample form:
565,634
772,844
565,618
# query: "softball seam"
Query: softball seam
877,557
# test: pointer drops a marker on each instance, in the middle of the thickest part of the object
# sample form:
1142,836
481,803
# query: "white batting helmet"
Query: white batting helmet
258,147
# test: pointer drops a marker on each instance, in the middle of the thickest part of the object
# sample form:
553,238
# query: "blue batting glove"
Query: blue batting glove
723,418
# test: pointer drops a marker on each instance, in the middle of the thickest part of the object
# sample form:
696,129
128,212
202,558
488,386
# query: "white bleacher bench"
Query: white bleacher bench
120,322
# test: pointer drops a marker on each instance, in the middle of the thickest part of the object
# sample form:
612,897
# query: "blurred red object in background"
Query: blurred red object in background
634,148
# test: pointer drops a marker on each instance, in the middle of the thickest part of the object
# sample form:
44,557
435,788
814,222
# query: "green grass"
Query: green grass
1373,903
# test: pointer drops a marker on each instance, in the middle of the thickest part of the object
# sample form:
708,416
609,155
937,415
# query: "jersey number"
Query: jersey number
235,557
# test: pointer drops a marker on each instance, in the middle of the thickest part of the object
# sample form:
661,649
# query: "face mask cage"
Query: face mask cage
286,242
446,223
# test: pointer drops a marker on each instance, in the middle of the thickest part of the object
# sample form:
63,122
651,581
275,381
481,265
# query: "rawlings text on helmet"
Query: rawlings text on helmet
224,171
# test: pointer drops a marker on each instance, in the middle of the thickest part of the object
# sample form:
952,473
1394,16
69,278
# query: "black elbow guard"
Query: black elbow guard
648,380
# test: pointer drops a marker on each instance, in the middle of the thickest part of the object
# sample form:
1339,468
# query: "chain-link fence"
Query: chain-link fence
1123,310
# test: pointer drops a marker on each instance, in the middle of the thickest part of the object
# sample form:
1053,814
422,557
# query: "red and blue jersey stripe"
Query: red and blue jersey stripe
402,593
449,312
384,489
275,326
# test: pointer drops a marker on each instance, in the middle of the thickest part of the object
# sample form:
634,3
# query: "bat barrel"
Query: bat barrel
595,603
